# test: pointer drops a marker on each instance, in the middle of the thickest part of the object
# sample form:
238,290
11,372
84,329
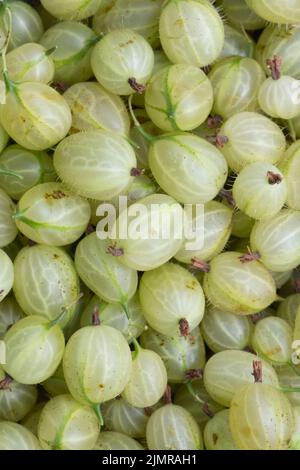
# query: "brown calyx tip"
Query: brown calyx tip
96,317
184,327
200,265
6,383
1,291
193,374
138,87
90,229
61,87
274,65
115,251
148,411
256,317
220,140
257,371
206,69
55,195
274,178
227,195
248,257
206,409
296,284
137,171
213,122
167,396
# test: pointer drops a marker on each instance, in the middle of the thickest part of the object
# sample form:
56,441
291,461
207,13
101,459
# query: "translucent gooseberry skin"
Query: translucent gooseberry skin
26,25
217,434
275,11
96,164
30,422
147,380
236,43
75,10
295,439
14,436
280,98
224,330
179,353
150,253
8,229
236,82
114,315
272,339
169,294
170,93
122,55
277,240
109,440
217,229
290,166
50,214
97,364
35,115
4,138
17,401
237,287
191,32
187,167
140,16
6,275
10,313
30,63
120,416
34,167
251,138
93,107
228,371
239,13
282,41
265,413
289,378
102,272
34,349
67,425
288,309
254,184
202,414
74,43
56,384
46,282
172,427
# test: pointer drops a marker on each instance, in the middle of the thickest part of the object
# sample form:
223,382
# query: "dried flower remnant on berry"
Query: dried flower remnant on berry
200,265
257,371
274,178
114,251
138,87
184,327
274,65
167,397
248,257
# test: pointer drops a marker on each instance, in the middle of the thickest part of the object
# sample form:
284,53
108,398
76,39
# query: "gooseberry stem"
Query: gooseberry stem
97,409
126,309
205,405
65,310
294,368
292,130
141,130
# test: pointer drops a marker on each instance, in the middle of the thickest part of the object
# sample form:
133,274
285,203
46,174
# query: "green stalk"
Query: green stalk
148,137
97,409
